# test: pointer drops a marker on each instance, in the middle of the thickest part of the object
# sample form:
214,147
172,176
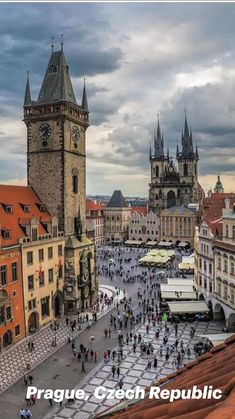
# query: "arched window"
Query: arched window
185,169
52,69
171,199
157,171
75,183
195,169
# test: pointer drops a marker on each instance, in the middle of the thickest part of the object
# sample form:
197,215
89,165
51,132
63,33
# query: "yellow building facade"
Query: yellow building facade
43,273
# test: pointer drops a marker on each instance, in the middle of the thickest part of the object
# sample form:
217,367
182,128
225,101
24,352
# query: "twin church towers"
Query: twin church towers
169,186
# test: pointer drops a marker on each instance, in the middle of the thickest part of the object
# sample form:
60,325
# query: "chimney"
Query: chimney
227,202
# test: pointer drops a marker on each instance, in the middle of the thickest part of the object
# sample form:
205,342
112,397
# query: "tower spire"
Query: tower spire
150,152
52,44
27,96
84,97
186,130
158,141
62,42
187,138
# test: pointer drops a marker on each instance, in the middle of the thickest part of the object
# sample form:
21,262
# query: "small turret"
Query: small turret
219,186
84,98
27,96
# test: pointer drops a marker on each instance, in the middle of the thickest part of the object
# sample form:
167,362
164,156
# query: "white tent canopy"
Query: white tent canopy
171,295
133,242
167,244
183,244
180,281
178,288
188,307
216,338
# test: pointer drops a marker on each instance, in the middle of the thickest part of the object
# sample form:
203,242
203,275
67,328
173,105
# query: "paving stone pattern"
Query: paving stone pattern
133,370
13,362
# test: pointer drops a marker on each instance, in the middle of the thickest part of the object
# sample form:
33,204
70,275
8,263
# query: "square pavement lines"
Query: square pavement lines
82,415
126,365
89,388
135,373
150,376
96,381
131,380
101,374
89,407
67,413
110,384
139,367
144,382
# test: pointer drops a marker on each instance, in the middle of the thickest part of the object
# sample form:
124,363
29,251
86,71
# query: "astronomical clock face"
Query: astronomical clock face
44,131
75,133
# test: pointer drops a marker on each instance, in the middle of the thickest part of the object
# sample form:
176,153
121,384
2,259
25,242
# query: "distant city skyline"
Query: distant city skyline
138,60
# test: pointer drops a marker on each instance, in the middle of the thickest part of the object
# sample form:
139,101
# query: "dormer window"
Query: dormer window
42,208
8,208
26,208
52,69
5,234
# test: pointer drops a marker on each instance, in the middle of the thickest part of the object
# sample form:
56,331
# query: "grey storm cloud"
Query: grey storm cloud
133,56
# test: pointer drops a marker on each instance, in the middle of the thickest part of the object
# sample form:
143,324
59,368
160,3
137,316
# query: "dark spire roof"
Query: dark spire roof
150,152
57,84
177,150
186,130
117,200
158,141
27,96
187,139
84,98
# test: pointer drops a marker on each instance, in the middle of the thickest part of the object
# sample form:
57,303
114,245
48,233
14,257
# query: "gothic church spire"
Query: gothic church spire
158,142
84,98
27,96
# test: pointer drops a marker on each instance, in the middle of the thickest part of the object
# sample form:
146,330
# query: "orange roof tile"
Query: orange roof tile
93,206
17,197
139,210
216,368
212,207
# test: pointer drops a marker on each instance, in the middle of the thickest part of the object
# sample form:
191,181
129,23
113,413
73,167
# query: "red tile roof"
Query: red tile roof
139,210
17,196
216,368
93,205
212,207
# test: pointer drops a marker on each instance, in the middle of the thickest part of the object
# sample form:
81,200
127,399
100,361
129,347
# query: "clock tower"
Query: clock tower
56,170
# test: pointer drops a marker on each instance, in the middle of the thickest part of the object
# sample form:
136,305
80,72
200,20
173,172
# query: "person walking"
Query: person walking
22,413
120,383
113,370
31,379
28,414
83,366
33,398
26,377
118,371
51,402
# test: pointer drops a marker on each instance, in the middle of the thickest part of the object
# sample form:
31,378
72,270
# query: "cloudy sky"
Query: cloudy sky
138,59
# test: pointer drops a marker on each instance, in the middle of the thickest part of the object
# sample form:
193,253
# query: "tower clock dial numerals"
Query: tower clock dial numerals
75,133
44,131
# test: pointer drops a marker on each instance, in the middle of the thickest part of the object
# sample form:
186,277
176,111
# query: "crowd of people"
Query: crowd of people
129,314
